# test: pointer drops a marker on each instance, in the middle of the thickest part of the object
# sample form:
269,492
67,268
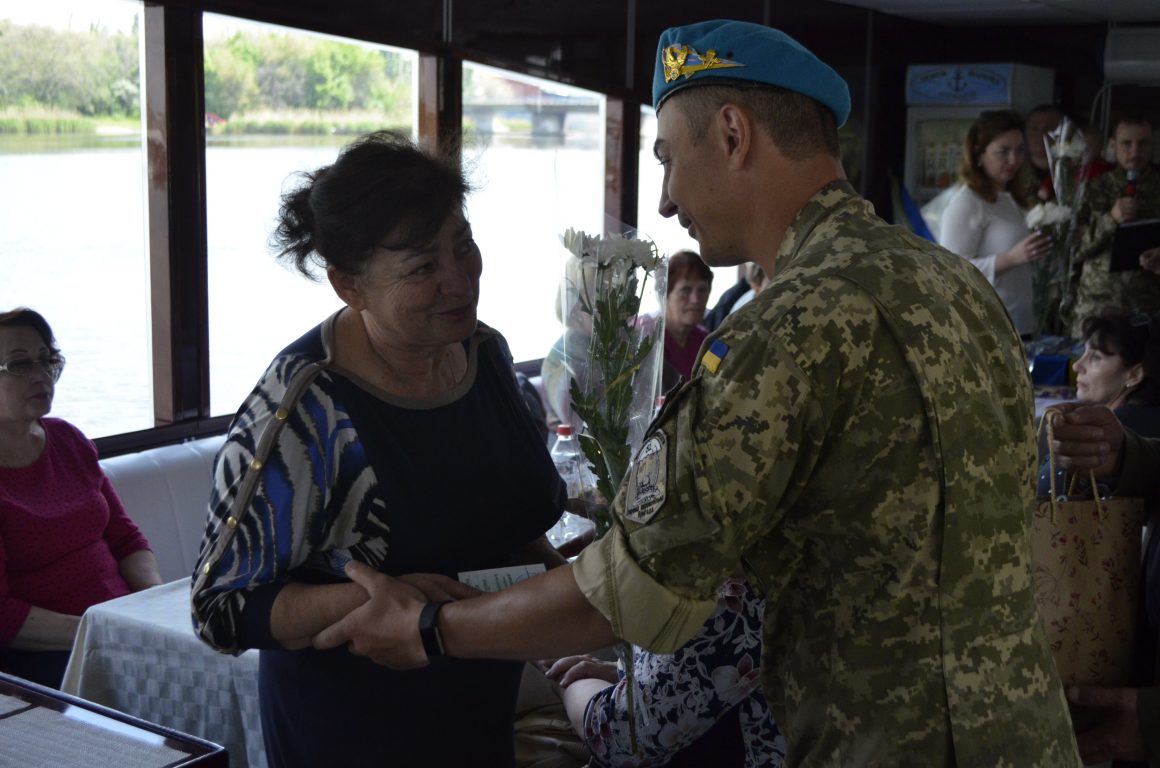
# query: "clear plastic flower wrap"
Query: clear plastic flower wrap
1067,155
610,354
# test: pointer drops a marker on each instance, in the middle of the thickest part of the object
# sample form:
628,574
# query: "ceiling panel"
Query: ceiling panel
990,12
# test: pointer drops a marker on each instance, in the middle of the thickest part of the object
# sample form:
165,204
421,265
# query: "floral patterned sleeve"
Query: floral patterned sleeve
677,698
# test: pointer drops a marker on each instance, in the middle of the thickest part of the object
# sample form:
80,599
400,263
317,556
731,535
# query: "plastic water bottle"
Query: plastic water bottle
573,469
567,458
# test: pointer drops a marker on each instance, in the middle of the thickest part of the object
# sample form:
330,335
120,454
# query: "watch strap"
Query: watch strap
429,629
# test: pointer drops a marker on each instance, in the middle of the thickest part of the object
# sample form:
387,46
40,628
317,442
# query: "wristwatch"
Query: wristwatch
429,629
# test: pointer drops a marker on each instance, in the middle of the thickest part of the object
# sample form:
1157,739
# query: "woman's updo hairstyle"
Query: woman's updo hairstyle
1136,339
381,191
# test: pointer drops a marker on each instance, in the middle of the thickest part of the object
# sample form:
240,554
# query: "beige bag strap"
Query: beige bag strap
1047,421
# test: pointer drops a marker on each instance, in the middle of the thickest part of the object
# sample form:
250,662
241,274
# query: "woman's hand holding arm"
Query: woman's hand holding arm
46,630
301,611
139,570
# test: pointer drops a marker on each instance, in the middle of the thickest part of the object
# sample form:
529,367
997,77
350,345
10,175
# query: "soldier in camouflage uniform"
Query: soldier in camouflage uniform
1105,206
857,440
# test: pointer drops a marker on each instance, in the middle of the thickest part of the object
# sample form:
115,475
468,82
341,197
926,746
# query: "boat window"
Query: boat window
278,101
668,234
534,151
72,211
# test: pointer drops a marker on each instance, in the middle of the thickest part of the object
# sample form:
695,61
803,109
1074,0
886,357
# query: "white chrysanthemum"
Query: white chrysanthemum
615,250
1047,214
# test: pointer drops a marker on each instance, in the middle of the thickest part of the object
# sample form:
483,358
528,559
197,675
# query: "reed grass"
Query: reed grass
40,121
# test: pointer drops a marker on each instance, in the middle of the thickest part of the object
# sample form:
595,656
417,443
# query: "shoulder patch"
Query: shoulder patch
714,355
646,480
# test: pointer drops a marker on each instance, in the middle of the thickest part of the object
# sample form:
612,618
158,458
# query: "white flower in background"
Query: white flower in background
582,245
1067,141
1047,214
616,251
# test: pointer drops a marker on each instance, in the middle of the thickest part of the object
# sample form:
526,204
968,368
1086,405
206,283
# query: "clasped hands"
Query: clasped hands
385,628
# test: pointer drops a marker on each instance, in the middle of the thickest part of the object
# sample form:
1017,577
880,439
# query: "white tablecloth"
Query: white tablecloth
138,654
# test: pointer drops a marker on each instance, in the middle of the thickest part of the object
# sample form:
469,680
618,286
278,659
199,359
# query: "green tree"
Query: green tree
93,72
231,83
282,70
344,75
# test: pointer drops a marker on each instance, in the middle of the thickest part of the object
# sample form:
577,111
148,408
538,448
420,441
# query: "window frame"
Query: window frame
173,81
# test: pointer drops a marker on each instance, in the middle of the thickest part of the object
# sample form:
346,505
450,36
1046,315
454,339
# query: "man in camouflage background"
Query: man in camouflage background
1105,206
857,440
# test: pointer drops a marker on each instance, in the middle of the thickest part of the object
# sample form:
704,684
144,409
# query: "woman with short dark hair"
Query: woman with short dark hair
392,434
1120,368
66,542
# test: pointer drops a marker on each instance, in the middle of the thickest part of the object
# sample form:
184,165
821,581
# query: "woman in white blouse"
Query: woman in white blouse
984,221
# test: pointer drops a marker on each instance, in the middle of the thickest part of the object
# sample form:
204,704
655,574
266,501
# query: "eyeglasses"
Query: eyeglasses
51,365
1006,153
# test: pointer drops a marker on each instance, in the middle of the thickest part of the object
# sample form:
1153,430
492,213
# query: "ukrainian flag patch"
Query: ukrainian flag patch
714,355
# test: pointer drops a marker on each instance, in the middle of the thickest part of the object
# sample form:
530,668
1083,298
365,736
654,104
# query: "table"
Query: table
40,727
138,654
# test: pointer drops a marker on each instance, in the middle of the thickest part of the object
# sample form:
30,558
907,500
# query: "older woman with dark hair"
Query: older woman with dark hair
1120,368
392,434
66,542
690,281
984,222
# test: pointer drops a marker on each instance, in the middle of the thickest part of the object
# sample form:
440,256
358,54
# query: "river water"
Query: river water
72,246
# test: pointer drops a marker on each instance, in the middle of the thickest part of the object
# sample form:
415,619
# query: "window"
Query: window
278,101
72,211
534,151
668,234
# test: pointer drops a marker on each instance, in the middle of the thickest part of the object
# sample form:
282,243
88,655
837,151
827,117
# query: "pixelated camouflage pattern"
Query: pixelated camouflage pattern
1099,289
866,452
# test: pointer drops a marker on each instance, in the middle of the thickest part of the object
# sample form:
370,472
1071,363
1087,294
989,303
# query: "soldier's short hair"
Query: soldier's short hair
1129,118
800,126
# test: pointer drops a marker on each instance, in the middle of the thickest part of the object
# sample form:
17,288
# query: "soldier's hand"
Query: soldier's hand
386,627
1085,438
1124,210
1116,731
1150,260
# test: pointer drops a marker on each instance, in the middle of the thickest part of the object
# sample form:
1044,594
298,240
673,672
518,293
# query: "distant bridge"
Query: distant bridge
547,116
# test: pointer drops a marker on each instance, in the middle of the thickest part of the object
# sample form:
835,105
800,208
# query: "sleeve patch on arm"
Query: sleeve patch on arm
646,480
714,355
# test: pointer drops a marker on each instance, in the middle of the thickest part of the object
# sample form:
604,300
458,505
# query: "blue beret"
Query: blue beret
724,51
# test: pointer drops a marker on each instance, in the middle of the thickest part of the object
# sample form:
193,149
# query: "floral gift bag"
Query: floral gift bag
1085,554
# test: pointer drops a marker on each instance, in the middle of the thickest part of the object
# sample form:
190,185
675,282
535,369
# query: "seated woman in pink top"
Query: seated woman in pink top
65,540
690,281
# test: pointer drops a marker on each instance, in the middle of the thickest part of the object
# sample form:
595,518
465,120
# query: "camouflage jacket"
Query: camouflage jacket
1099,289
859,440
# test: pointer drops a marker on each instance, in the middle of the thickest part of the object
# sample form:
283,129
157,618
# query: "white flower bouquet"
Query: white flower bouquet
614,356
1067,153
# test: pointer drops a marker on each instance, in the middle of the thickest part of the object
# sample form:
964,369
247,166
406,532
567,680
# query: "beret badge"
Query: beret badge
682,60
